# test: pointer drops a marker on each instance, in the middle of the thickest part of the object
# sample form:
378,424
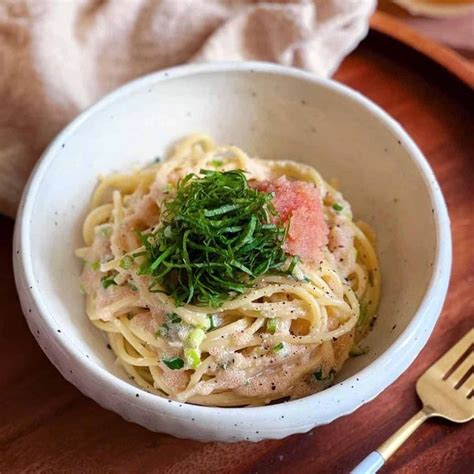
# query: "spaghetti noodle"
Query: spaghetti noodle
283,329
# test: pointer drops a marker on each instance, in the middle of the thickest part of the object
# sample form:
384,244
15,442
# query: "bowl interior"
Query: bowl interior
268,115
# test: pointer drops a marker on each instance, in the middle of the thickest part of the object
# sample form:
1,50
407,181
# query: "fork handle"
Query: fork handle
375,460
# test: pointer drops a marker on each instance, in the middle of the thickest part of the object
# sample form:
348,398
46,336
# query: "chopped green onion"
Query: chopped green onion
195,338
107,281
126,262
168,188
174,363
132,285
192,357
82,289
337,207
320,376
216,163
278,347
271,325
162,331
205,323
106,231
95,265
213,321
173,318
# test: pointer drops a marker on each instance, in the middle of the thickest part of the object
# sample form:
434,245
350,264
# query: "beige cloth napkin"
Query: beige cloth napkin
59,56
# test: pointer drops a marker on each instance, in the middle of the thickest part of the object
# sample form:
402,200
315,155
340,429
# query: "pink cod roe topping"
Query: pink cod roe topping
300,202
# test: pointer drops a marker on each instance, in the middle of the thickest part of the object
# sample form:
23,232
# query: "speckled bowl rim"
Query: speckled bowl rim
388,366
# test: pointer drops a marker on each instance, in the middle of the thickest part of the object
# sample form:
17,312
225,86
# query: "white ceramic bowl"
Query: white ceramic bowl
270,111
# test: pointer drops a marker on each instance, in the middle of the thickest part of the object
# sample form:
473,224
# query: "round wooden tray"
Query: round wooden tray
448,59
46,424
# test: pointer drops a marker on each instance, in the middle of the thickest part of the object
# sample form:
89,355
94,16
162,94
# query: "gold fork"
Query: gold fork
446,390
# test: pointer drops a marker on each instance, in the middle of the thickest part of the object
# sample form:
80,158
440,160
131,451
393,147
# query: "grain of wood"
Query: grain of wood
47,425
457,65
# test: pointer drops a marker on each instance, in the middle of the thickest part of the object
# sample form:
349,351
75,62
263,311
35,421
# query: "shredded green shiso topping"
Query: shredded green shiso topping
215,238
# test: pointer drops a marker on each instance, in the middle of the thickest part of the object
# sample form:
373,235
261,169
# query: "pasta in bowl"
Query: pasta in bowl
225,280
278,113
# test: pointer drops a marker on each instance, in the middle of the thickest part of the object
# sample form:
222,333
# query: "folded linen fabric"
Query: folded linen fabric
59,56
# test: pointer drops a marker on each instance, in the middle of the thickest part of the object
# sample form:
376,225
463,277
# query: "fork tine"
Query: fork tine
467,382
443,365
461,371
467,387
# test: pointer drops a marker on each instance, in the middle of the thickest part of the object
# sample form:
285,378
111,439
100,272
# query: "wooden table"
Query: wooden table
457,32
47,425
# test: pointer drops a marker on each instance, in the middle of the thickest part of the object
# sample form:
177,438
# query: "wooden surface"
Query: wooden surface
455,32
47,425
460,67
